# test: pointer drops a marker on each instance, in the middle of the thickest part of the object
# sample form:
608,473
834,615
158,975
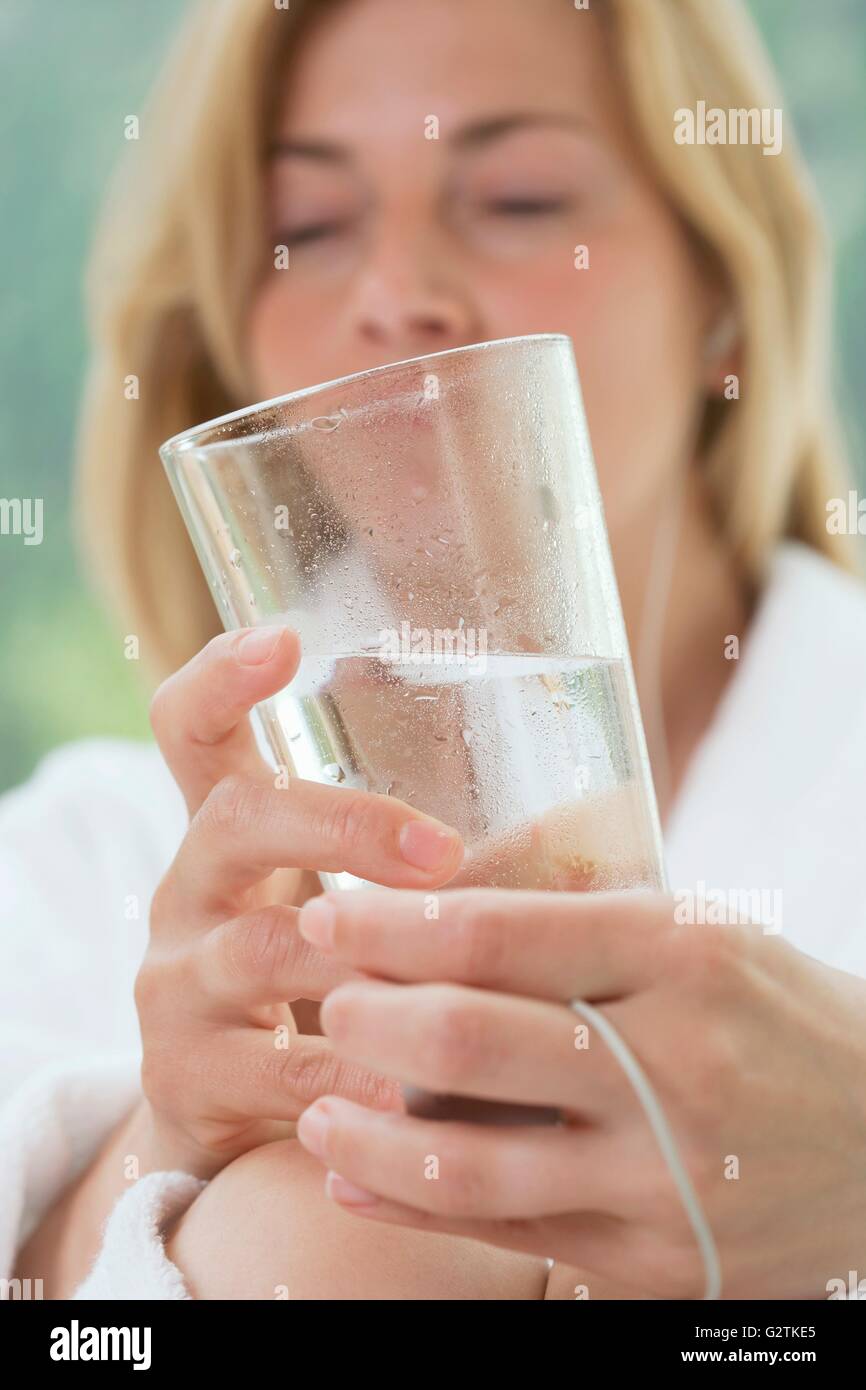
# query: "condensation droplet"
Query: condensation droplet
236,557
328,423
467,737
334,772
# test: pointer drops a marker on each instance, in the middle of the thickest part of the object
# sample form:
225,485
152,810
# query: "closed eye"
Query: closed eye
527,207
507,207
316,231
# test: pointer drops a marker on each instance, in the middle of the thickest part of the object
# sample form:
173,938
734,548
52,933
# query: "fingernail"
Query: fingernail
425,845
340,1190
259,645
316,922
312,1130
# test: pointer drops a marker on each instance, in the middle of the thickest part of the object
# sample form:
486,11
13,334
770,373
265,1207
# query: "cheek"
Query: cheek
635,323
537,294
633,317
270,349
286,347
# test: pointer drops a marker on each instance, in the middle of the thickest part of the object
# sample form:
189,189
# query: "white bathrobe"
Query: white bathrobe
774,800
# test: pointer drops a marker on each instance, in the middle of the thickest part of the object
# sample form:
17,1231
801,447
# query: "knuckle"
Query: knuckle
146,989
162,712
171,1063
152,1077
300,1075
233,804
163,976
476,942
368,1088
706,959
259,946
451,1041
464,1185
346,823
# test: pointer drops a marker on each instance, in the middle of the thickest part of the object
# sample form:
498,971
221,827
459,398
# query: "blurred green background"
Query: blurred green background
71,72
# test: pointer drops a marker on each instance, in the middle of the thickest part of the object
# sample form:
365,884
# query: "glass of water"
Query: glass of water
434,532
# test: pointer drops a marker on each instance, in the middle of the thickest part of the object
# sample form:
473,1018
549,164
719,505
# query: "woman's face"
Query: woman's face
401,245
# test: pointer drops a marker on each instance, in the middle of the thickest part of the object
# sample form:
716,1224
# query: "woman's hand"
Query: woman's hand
224,1067
756,1052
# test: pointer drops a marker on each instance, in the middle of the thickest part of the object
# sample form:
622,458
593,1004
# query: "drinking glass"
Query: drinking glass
433,530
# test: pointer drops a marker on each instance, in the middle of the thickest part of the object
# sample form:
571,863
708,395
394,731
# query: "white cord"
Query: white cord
666,1142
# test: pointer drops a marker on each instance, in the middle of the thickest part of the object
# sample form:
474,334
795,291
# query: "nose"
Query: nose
410,299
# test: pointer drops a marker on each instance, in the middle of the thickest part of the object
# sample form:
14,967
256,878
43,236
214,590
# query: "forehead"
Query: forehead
374,70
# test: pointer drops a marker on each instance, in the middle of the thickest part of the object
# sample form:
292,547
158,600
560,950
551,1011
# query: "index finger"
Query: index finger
595,946
200,714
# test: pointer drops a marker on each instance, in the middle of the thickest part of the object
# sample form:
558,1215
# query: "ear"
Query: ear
721,351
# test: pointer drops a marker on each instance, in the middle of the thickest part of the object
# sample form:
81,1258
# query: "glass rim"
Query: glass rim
192,437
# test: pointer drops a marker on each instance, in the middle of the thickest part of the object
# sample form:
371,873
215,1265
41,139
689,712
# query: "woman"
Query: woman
699,330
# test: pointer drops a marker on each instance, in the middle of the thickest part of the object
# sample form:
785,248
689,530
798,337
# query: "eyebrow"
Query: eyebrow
470,136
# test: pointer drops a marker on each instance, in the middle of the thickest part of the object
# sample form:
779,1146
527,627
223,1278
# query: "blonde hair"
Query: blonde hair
179,247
